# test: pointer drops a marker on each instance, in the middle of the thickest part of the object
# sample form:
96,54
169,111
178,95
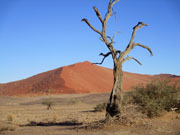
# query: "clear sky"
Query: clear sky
40,35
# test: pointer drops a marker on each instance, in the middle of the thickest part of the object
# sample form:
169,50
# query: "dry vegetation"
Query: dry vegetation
80,114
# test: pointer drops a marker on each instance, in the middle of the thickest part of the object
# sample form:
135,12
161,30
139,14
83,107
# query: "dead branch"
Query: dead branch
109,13
130,58
114,14
104,38
106,55
110,39
115,35
130,45
104,28
139,25
100,38
87,22
98,14
143,46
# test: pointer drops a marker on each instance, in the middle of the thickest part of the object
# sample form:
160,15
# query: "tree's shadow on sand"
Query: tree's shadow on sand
65,123
89,111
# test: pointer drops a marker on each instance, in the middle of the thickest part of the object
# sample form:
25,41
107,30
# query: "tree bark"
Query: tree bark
115,100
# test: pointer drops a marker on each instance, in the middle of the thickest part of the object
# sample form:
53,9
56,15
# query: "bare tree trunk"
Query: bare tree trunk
114,104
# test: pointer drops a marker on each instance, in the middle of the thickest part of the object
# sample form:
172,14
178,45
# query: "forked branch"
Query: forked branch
112,39
103,37
135,28
100,38
130,45
109,13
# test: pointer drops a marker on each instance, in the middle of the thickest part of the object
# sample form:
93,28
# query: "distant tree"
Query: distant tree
113,108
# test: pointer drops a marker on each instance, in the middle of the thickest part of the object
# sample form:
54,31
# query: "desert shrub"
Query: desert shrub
100,107
48,103
157,97
127,98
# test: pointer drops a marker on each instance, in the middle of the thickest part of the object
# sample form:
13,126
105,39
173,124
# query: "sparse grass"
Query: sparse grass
55,118
51,117
100,107
130,115
11,118
69,118
178,117
7,127
74,101
49,103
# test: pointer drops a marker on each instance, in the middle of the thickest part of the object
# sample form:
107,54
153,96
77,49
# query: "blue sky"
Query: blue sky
40,35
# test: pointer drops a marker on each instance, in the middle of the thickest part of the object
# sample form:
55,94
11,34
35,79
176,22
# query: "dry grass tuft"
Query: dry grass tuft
100,107
7,127
178,117
55,118
11,118
131,116
74,101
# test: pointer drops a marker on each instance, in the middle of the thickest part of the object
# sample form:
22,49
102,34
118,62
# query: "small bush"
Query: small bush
100,107
157,97
48,103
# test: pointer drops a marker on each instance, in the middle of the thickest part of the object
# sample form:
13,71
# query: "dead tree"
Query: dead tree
113,108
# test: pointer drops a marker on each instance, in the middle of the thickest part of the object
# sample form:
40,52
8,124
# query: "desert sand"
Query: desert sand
69,116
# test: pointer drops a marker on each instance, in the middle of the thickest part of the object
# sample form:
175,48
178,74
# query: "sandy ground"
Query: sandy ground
27,116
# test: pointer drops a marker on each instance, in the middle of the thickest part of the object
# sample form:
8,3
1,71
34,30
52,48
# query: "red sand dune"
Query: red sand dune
82,77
